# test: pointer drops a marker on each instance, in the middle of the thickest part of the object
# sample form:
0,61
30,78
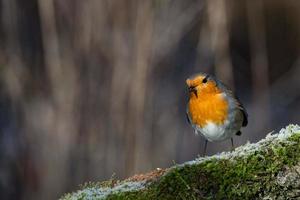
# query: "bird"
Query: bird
213,110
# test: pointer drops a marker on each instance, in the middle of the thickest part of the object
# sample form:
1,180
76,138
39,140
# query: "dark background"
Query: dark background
96,88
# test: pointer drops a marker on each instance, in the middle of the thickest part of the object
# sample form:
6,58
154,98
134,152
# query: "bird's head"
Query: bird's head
202,84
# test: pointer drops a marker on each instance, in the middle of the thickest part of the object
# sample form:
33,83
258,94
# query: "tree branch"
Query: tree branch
268,169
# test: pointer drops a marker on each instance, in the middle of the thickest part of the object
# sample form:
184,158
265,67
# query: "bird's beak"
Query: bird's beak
194,90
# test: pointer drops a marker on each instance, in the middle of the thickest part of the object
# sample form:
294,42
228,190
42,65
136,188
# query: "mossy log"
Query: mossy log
268,169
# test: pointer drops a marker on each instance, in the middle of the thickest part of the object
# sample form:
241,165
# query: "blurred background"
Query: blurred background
96,88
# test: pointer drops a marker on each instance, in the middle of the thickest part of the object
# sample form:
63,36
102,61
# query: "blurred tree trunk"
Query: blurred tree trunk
120,85
259,65
137,135
57,116
218,26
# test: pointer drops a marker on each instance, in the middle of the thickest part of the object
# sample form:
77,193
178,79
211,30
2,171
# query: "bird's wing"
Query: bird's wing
244,112
240,106
236,101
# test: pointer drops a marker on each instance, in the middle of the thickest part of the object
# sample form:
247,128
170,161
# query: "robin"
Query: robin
213,110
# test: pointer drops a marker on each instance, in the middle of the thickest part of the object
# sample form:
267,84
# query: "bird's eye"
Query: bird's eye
204,80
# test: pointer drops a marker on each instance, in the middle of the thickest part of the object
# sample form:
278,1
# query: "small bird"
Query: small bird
213,110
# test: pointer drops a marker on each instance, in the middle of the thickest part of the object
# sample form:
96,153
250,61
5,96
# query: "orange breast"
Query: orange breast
208,107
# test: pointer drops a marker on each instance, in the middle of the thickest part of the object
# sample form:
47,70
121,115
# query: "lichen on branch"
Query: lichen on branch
268,169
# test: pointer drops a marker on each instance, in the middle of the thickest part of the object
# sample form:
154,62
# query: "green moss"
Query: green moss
242,177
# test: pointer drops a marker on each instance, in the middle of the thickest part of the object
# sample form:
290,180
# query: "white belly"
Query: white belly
214,132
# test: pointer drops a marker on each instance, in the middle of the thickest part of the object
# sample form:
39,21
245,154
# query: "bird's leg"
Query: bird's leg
232,146
204,150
